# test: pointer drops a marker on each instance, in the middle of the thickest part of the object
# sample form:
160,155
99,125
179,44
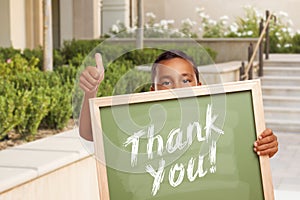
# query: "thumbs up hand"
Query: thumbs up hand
91,77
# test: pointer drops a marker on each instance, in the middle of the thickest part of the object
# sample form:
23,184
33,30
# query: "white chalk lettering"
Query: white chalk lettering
134,139
210,123
213,156
158,176
190,169
172,173
189,133
206,135
160,143
170,146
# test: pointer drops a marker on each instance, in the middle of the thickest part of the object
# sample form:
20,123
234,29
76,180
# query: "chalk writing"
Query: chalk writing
175,143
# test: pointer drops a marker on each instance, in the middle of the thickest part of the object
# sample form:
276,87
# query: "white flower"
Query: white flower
224,22
156,25
290,22
224,17
203,15
233,28
150,14
163,22
278,45
250,33
171,21
199,9
287,45
212,22
284,30
188,21
284,14
115,28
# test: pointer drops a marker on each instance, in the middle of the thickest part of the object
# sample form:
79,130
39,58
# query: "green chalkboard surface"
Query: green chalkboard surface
181,144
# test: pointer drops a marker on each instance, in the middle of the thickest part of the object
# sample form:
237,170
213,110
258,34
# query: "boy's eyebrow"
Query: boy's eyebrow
165,76
187,74
170,77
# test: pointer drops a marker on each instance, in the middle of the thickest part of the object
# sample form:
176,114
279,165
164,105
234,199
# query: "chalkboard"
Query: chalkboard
190,143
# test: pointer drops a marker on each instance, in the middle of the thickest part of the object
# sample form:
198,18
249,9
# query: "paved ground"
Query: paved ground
285,166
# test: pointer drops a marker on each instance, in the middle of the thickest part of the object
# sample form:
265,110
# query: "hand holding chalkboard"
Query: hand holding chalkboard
266,144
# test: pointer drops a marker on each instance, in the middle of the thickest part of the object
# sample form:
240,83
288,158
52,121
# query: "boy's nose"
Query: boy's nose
177,85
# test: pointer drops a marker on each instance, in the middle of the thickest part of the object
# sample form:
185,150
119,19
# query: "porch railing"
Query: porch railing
246,72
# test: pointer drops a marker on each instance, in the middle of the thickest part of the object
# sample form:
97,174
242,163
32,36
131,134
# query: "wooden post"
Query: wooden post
242,71
261,61
267,36
250,53
47,41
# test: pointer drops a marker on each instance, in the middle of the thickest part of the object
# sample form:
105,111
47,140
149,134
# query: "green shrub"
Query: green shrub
30,97
61,83
77,48
8,53
296,43
13,106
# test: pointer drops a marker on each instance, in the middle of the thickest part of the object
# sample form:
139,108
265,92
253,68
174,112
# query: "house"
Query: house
21,21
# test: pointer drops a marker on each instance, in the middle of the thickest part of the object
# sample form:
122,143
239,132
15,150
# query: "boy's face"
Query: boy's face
174,73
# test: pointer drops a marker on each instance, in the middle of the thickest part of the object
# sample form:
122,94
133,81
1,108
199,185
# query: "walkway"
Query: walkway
285,165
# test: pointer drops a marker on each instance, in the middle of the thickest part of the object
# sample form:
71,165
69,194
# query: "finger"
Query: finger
270,152
92,76
265,140
266,133
84,88
266,146
86,83
99,63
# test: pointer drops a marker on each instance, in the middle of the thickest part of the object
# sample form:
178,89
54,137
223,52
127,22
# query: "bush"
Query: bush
296,43
30,97
75,50
7,53
13,106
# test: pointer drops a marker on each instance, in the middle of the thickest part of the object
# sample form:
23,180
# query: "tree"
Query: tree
47,39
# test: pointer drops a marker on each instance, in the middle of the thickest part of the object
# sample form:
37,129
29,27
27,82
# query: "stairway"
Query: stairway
281,93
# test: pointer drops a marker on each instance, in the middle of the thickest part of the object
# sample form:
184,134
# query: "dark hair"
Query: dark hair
170,55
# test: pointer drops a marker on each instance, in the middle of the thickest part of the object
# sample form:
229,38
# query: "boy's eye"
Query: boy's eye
186,81
166,83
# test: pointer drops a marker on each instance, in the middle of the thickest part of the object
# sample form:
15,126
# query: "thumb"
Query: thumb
99,63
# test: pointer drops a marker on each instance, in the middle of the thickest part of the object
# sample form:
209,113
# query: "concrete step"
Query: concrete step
281,63
271,90
282,113
281,101
281,81
283,126
282,71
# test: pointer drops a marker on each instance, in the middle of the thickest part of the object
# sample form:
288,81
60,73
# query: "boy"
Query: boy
172,69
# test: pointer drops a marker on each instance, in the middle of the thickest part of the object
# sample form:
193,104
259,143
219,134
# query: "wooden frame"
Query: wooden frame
253,85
